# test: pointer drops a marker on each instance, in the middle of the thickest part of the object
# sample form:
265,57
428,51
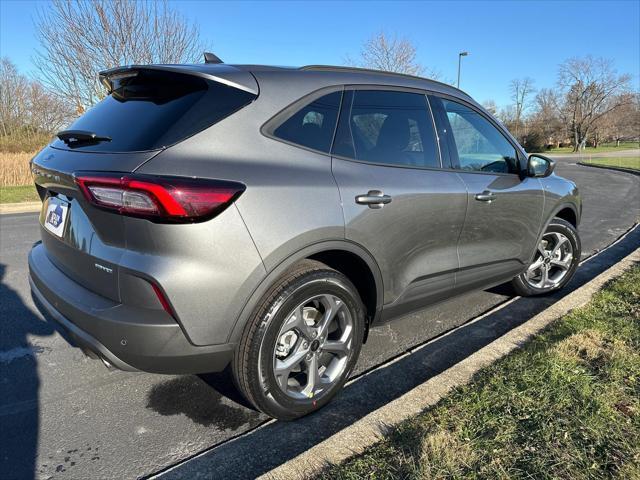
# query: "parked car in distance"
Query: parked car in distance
265,218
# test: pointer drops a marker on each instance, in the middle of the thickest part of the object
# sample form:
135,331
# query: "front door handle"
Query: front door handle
486,196
373,198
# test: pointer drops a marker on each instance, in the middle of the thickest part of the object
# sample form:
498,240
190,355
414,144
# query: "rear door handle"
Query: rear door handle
373,198
486,196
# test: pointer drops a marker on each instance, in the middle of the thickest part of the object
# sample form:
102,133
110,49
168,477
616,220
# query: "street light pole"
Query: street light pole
460,55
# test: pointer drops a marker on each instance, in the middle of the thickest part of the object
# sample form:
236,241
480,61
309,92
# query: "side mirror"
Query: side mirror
540,166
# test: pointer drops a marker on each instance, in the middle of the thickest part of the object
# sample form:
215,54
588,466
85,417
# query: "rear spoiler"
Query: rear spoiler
225,74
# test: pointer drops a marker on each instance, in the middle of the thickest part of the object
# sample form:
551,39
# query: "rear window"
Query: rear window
313,125
155,109
389,128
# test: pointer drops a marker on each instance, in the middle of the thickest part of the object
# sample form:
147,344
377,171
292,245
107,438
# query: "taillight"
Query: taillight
160,199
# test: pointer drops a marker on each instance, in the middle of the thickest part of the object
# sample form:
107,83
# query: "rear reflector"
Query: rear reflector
163,299
160,199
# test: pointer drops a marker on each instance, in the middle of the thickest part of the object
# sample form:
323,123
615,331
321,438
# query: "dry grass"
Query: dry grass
589,346
23,142
445,455
14,169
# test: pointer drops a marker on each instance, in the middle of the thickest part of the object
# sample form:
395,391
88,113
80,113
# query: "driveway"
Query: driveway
65,416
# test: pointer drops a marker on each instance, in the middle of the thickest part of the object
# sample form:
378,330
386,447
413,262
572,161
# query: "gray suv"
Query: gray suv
264,219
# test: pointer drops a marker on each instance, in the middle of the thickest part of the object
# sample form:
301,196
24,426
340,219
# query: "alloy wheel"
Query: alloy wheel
553,261
313,346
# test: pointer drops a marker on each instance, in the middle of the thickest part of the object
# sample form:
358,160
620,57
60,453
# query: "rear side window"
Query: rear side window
313,125
155,109
387,127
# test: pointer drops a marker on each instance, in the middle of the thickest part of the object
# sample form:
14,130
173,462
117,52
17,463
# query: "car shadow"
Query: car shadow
20,382
209,400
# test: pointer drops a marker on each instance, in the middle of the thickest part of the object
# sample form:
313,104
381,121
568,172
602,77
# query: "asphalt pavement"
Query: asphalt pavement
63,415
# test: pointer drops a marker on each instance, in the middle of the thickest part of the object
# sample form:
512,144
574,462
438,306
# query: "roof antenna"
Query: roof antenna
211,58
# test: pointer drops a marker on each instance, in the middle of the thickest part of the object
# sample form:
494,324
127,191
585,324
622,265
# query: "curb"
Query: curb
356,438
611,167
23,207
576,155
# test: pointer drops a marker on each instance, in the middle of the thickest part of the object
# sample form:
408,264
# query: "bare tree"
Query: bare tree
13,96
507,116
29,114
521,90
391,54
620,124
490,106
547,118
592,89
47,113
80,38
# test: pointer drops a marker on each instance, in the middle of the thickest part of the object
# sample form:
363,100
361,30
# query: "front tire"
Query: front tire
555,262
302,342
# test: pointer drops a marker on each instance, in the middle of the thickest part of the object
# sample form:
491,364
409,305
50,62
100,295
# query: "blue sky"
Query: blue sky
506,39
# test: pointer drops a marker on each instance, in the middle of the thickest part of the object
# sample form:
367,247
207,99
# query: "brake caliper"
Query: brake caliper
286,343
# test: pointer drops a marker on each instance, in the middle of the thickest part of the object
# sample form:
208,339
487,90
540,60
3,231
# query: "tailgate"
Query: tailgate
83,242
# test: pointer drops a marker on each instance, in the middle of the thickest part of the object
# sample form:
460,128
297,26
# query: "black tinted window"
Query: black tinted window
155,109
389,128
479,144
313,125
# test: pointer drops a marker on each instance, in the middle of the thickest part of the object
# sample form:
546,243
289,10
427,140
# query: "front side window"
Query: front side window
480,146
387,127
313,125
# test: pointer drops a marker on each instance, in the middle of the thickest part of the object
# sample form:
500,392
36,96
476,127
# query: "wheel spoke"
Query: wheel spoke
535,266
541,249
545,277
333,306
562,264
561,241
284,367
296,320
313,376
339,347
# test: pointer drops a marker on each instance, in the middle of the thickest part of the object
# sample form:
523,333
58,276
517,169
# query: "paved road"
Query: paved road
65,416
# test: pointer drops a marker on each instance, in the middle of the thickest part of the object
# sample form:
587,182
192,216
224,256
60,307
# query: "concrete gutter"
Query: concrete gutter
356,438
611,167
23,207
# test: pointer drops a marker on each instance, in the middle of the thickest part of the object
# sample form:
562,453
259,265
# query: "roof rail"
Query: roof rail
336,68
211,58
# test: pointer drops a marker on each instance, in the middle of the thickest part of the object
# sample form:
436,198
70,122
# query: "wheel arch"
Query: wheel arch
567,211
349,258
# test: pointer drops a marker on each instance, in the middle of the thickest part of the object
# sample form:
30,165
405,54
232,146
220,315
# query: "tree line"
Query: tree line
590,103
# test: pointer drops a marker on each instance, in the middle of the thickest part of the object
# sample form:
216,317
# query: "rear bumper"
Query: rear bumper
129,338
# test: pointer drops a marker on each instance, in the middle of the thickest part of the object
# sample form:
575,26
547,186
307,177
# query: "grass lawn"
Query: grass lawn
602,148
626,162
25,193
565,406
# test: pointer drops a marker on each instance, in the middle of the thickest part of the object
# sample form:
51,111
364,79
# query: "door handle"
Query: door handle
486,196
373,198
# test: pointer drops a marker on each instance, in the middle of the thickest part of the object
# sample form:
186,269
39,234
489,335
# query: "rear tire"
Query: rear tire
311,320
555,262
